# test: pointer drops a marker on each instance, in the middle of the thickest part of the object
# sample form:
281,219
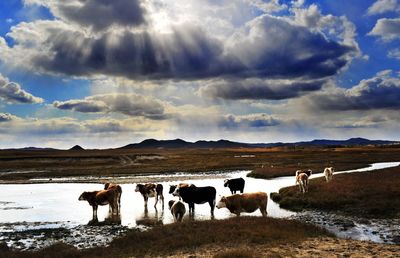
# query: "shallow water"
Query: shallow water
54,205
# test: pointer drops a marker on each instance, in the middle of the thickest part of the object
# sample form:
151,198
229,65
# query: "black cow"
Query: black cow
198,195
235,184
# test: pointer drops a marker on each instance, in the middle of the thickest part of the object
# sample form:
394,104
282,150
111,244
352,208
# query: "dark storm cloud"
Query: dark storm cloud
249,121
381,92
100,14
127,104
266,47
259,89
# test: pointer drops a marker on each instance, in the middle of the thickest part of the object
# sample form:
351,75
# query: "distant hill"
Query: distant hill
179,143
324,142
77,148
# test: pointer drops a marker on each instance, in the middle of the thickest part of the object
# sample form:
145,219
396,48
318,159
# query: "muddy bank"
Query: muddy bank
377,230
37,235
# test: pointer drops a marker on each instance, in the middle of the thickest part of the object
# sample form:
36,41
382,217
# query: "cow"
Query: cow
247,202
302,180
102,197
151,190
308,172
234,184
118,188
177,210
198,195
328,173
173,187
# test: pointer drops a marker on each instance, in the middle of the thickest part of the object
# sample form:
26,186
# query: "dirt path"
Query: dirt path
316,247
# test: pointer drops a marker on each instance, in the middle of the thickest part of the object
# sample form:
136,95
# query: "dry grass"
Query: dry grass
266,162
367,194
189,236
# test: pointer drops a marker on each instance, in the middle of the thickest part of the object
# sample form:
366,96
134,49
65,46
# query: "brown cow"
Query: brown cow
177,209
116,187
247,202
302,180
102,197
151,190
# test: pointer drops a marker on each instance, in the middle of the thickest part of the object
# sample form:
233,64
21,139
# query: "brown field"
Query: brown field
374,194
266,162
189,236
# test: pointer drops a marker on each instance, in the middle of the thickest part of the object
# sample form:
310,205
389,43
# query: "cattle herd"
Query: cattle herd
191,194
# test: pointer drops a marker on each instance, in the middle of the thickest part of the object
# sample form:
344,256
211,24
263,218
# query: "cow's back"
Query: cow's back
247,202
198,194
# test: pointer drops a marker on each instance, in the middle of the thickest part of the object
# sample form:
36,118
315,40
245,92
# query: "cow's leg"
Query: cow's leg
94,211
212,205
146,198
263,210
156,201
162,200
191,207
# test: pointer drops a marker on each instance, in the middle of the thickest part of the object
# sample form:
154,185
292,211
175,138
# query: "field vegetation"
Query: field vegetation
189,236
372,194
20,165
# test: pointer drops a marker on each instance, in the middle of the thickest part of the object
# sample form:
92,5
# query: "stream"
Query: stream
37,215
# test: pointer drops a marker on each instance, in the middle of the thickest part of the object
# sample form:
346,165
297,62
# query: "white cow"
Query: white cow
328,173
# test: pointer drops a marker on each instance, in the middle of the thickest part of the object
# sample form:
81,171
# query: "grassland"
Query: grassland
372,194
21,165
189,236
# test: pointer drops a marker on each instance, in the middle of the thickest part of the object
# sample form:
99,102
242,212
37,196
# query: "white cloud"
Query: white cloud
387,29
394,53
12,92
383,6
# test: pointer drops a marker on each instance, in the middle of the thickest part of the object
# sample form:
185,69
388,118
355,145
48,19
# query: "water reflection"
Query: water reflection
110,219
150,219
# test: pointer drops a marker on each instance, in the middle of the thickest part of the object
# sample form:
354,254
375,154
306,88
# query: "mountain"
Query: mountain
179,143
77,148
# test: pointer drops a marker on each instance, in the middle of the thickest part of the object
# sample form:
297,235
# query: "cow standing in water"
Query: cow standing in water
151,190
108,186
177,210
247,202
102,197
198,195
235,184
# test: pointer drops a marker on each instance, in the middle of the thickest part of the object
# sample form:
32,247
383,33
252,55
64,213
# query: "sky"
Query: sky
106,73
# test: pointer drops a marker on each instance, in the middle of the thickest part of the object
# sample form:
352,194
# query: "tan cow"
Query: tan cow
302,180
247,202
102,197
328,173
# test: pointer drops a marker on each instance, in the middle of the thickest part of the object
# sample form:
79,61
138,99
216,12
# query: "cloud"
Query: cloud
7,117
387,29
12,92
259,89
394,53
128,104
247,121
383,6
265,47
97,15
379,92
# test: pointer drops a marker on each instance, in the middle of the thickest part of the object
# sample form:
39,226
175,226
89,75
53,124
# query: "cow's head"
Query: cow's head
176,191
172,188
221,203
106,185
83,196
170,203
138,187
226,182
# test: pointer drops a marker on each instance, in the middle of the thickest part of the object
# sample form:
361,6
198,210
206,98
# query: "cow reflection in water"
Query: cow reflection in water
151,219
111,219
